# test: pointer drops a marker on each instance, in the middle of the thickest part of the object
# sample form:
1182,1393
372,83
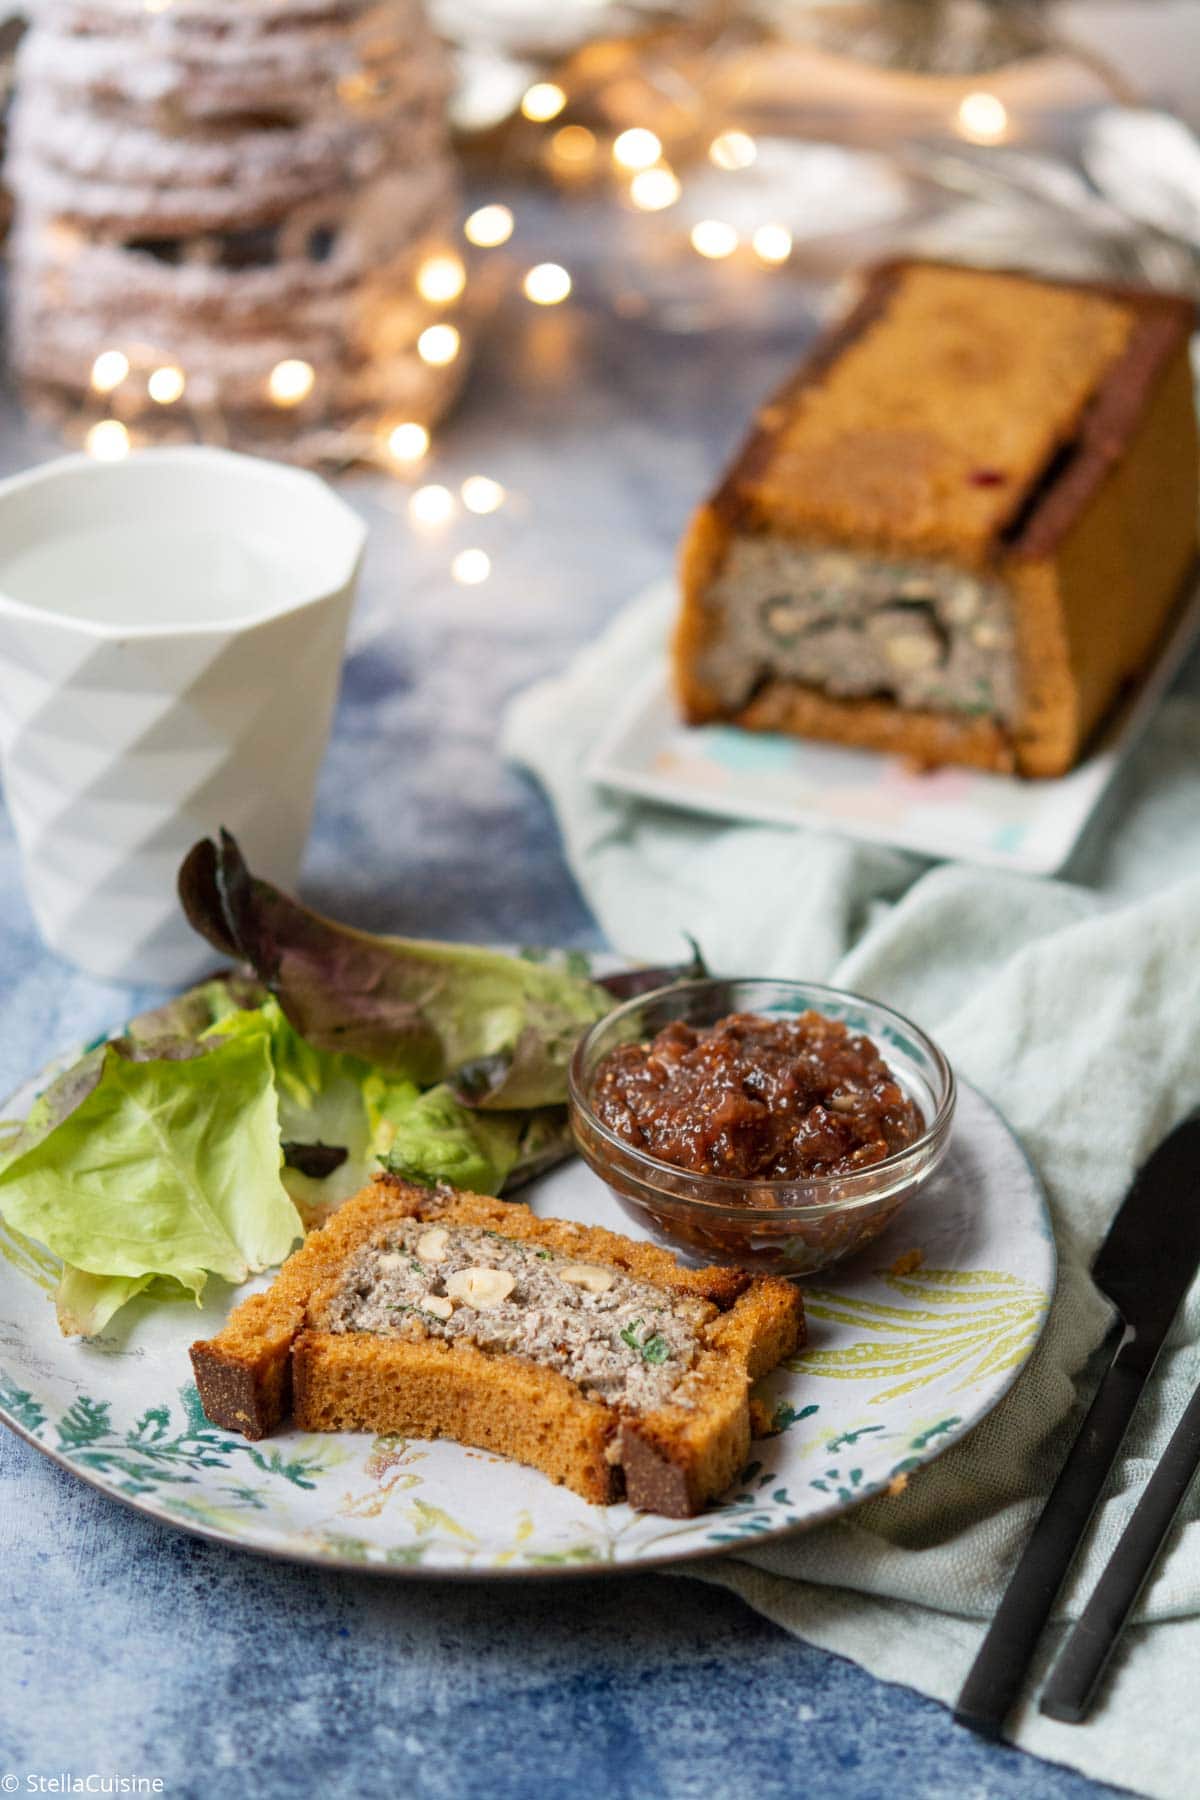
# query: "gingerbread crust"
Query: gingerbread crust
274,1355
928,739
1087,509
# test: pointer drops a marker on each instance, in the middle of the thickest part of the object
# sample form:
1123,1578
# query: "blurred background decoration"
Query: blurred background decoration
811,137
234,221
239,220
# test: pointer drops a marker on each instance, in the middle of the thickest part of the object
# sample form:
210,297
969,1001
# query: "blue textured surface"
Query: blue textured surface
130,1649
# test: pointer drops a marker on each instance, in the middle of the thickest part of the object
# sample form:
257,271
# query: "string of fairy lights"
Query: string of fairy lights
635,158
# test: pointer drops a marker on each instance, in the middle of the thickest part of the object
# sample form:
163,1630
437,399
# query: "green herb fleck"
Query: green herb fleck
653,1347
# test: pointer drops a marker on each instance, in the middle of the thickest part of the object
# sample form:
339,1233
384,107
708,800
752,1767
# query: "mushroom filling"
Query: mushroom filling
621,1340
922,633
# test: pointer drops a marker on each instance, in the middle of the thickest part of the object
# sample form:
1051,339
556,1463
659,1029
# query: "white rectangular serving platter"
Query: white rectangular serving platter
996,820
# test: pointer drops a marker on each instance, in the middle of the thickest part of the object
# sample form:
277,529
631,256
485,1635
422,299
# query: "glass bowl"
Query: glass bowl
772,1227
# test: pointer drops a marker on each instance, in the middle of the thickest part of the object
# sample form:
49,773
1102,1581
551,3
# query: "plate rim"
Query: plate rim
520,1571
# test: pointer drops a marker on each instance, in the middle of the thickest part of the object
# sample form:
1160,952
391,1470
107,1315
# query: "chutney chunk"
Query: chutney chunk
754,1098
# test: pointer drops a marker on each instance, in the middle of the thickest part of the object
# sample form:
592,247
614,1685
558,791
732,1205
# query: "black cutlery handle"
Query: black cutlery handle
996,1676
1076,1675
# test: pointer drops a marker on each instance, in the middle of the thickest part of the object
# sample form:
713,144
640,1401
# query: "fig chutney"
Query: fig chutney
757,1098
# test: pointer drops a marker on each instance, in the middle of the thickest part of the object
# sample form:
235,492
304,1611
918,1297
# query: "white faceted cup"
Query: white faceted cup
124,738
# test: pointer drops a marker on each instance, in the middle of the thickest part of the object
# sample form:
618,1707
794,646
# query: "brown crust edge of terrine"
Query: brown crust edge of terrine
760,1320
928,740
1110,415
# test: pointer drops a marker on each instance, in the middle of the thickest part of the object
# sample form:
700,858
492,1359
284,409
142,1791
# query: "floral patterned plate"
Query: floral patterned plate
906,1354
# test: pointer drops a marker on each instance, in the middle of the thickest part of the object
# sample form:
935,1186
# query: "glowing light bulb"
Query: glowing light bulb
546,284
407,443
480,494
732,150
489,226
109,371
166,385
636,149
544,100
714,239
438,345
291,381
441,279
361,88
431,506
470,567
653,189
574,144
107,441
983,118
772,243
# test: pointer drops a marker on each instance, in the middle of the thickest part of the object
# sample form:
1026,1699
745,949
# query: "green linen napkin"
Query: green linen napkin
1074,1004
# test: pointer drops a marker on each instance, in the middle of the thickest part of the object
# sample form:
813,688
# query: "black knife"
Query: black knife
1144,1266
1071,1689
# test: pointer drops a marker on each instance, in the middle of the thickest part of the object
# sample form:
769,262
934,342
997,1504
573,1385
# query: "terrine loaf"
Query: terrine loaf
958,532
598,1360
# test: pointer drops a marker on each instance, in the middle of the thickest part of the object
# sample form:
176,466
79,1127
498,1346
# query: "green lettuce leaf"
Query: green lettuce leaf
546,1141
436,1138
162,1166
85,1303
414,1009
387,1098
173,1032
189,1015
325,1097
320,1091
56,1102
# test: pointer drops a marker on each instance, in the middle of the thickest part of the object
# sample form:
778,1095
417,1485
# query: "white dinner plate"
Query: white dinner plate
960,813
